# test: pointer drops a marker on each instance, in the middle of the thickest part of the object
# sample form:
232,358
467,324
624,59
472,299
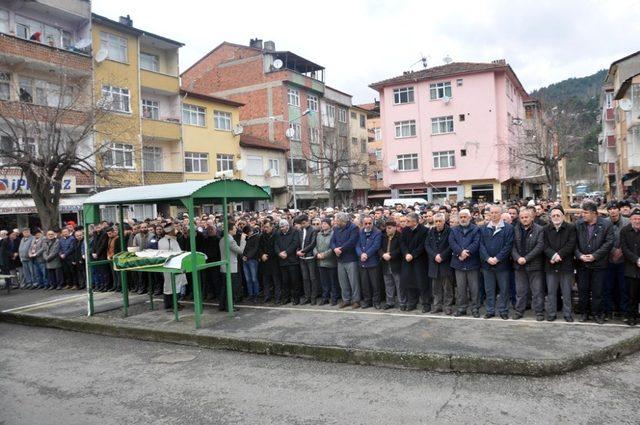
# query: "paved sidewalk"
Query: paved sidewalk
390,338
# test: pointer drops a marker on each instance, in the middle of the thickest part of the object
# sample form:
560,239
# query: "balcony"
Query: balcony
162,177
156,130
41,57
299,179
163,83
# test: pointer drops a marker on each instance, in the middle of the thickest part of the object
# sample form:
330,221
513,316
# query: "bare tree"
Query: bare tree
336,163
50,130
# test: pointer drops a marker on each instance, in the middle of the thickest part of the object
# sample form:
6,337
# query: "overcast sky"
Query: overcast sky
363,41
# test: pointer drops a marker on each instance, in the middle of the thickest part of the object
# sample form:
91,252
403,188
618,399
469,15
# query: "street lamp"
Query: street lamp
290,134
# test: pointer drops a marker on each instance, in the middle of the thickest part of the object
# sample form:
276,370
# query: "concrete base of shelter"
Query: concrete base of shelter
368,337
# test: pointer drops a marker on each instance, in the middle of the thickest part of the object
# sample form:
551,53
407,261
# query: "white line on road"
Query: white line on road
46,303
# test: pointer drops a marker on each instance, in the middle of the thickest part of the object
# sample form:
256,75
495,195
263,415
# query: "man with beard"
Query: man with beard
528,246
465,246
414,265
440,272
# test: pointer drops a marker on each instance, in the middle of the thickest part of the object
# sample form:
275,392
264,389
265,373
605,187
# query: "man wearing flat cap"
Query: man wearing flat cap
595,239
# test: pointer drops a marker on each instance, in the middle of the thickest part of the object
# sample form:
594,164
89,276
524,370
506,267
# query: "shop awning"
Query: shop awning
27,206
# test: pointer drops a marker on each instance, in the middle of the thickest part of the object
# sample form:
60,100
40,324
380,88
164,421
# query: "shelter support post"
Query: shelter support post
174,295
227,256
123,274
89,279
195,273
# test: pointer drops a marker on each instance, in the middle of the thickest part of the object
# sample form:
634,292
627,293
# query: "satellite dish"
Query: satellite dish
240,165
290,133
393,166
625,104
81,44
277,64
268,173
446,99
101,55
447,59
237,130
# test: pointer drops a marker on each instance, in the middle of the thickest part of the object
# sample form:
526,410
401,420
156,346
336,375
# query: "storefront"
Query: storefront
22,212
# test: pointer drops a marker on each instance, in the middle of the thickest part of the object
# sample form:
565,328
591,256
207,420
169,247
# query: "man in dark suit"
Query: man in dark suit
391,260
308,267
271,281
528,247
286,244
630,244
367,251
594,243
414,265
440,271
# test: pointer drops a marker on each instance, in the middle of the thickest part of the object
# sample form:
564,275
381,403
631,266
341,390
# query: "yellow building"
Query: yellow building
210,135
136,76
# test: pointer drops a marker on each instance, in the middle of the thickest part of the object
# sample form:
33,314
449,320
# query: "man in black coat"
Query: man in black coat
559,246
271,282
414,265
311,286
286,244
594,243
391,262
630,245
208,242
440,271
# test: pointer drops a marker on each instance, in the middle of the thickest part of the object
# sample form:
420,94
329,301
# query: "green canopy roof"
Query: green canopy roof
232,189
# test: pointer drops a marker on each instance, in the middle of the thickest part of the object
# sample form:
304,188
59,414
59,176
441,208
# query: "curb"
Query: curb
417,361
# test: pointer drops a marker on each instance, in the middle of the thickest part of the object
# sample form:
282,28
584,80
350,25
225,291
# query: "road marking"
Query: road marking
46,303
421,315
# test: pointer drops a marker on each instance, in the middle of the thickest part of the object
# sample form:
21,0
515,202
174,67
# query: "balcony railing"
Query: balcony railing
299,179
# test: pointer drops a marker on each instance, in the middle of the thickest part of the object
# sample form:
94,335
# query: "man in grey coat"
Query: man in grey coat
27,265
235,249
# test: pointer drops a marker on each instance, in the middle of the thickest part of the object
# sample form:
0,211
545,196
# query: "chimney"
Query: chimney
256,43
269,46
499,62
126,20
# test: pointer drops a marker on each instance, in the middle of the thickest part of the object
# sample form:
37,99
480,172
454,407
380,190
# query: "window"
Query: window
314,168
149,62
4,21
442,125
363,121
509,88
312,103
405,129
354,140
297,131
408,162
463,152
5,85
379,175
314,135
117,98
440,90
299,166
403,95
254,166
193,115
116,46
222,120
342,115
377,133
274,166
608,99
459,82
150,109
354,116
328,115
224,162
196,162
379,154
444,159
363,145
294,97
151,158
462,117
119,155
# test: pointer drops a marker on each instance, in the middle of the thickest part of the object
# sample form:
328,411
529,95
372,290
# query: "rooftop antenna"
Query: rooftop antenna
423,60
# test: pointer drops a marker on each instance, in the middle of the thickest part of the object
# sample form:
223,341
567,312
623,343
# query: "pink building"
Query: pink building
451,132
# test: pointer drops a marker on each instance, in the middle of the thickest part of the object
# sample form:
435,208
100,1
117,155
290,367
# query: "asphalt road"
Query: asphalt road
56,377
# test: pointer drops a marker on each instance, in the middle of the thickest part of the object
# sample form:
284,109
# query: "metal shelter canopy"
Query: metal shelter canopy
187,193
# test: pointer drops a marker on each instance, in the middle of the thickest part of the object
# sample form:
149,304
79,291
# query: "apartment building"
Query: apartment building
621,125
136,77
359,149
451,131
281,90
378,192
45,72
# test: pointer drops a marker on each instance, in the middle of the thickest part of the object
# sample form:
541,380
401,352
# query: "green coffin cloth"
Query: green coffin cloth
130,261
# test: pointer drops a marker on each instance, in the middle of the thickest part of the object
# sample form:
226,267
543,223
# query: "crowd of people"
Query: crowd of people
446,259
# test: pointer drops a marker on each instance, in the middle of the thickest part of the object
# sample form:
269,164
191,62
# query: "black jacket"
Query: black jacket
209,245
100,242
530,247
251,248
438,243
599,245
266,245
309,241
414,273
630,245
562,241
396,254
288,242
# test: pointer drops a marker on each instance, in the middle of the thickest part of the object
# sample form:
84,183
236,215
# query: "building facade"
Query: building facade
45,78
451,131
378,191
265,166
359,146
